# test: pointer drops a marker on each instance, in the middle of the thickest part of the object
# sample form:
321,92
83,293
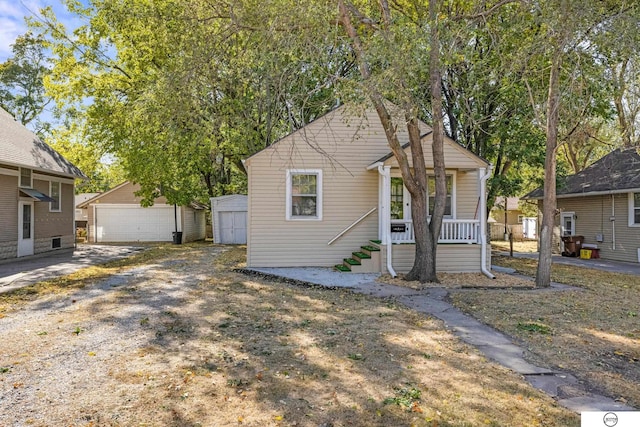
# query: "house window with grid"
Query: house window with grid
304,194
26,180
397,198
431,194
634,209
54,193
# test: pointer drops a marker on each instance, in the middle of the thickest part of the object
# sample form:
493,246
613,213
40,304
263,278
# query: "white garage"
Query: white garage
229,218
130,223
117,216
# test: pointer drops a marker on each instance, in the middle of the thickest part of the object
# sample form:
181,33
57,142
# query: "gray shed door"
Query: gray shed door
233,227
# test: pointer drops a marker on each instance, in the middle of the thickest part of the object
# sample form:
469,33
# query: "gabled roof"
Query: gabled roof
194,204
21,147
512,203
83,197
448,142
617,172
97,196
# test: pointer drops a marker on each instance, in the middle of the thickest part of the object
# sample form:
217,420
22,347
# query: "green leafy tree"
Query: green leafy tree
22,91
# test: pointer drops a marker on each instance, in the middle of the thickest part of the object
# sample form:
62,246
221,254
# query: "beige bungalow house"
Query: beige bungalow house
36,193
331,194
602,205
117,216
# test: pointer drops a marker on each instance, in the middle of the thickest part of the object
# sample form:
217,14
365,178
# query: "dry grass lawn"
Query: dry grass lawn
593,332
518,246
241,351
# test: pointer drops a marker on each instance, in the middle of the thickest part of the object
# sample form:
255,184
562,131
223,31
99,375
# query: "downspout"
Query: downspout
386,217
483,221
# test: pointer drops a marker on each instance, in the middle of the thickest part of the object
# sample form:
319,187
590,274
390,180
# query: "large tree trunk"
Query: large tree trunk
414,173
543,274
424,267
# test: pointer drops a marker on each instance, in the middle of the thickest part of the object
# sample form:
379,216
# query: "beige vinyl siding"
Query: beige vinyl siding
467,192
455,156
8,208
452,258
593,217
193,224
349,191
125,195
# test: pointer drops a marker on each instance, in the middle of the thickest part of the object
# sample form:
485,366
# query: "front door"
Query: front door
25,228
568,223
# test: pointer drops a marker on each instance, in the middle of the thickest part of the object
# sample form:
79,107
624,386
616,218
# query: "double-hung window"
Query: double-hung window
431,194
634,209
26,179
304,194
54,193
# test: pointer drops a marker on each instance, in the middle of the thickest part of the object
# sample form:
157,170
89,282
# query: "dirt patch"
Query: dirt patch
183,341
592,332
518,246
463,281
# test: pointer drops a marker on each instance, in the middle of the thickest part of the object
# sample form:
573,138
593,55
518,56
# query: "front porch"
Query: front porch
453,231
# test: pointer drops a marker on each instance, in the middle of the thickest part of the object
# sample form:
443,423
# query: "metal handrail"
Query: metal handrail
356,222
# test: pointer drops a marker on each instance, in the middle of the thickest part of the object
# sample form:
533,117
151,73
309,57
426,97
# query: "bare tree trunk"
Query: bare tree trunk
424,267
543,274
414,175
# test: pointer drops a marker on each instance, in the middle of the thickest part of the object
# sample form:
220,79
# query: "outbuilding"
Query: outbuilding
229,219
117,216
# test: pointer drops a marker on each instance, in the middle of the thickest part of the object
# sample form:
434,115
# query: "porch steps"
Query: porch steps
366,260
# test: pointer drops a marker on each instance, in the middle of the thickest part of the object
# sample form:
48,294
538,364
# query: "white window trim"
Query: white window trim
318,173
632,211
51,209
20,178
454,176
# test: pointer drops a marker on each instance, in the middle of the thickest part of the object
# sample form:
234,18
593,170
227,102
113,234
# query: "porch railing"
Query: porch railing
453,231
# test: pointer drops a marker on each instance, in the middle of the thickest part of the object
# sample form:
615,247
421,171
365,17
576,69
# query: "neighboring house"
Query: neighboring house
229,219
36,193
117,216
507,211
324,191
82,215
602,204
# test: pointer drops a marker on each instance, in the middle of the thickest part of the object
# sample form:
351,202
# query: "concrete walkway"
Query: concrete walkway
17,273
563,387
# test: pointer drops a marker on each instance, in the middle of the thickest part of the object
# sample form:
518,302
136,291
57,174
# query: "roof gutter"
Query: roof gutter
587,194
483,221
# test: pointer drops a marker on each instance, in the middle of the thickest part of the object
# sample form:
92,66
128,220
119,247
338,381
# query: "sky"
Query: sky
12,19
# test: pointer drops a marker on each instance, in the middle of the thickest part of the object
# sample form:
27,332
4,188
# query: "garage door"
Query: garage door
134,223
233,227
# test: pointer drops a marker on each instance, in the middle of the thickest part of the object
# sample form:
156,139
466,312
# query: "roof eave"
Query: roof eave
587,194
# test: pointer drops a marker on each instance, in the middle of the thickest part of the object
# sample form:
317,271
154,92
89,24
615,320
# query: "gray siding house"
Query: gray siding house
36,193
331,194
602,204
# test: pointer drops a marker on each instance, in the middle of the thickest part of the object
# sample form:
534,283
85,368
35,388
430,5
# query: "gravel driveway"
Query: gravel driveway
78,359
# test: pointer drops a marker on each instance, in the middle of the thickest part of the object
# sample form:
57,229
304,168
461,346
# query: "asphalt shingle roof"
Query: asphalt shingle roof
21,147
615,172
